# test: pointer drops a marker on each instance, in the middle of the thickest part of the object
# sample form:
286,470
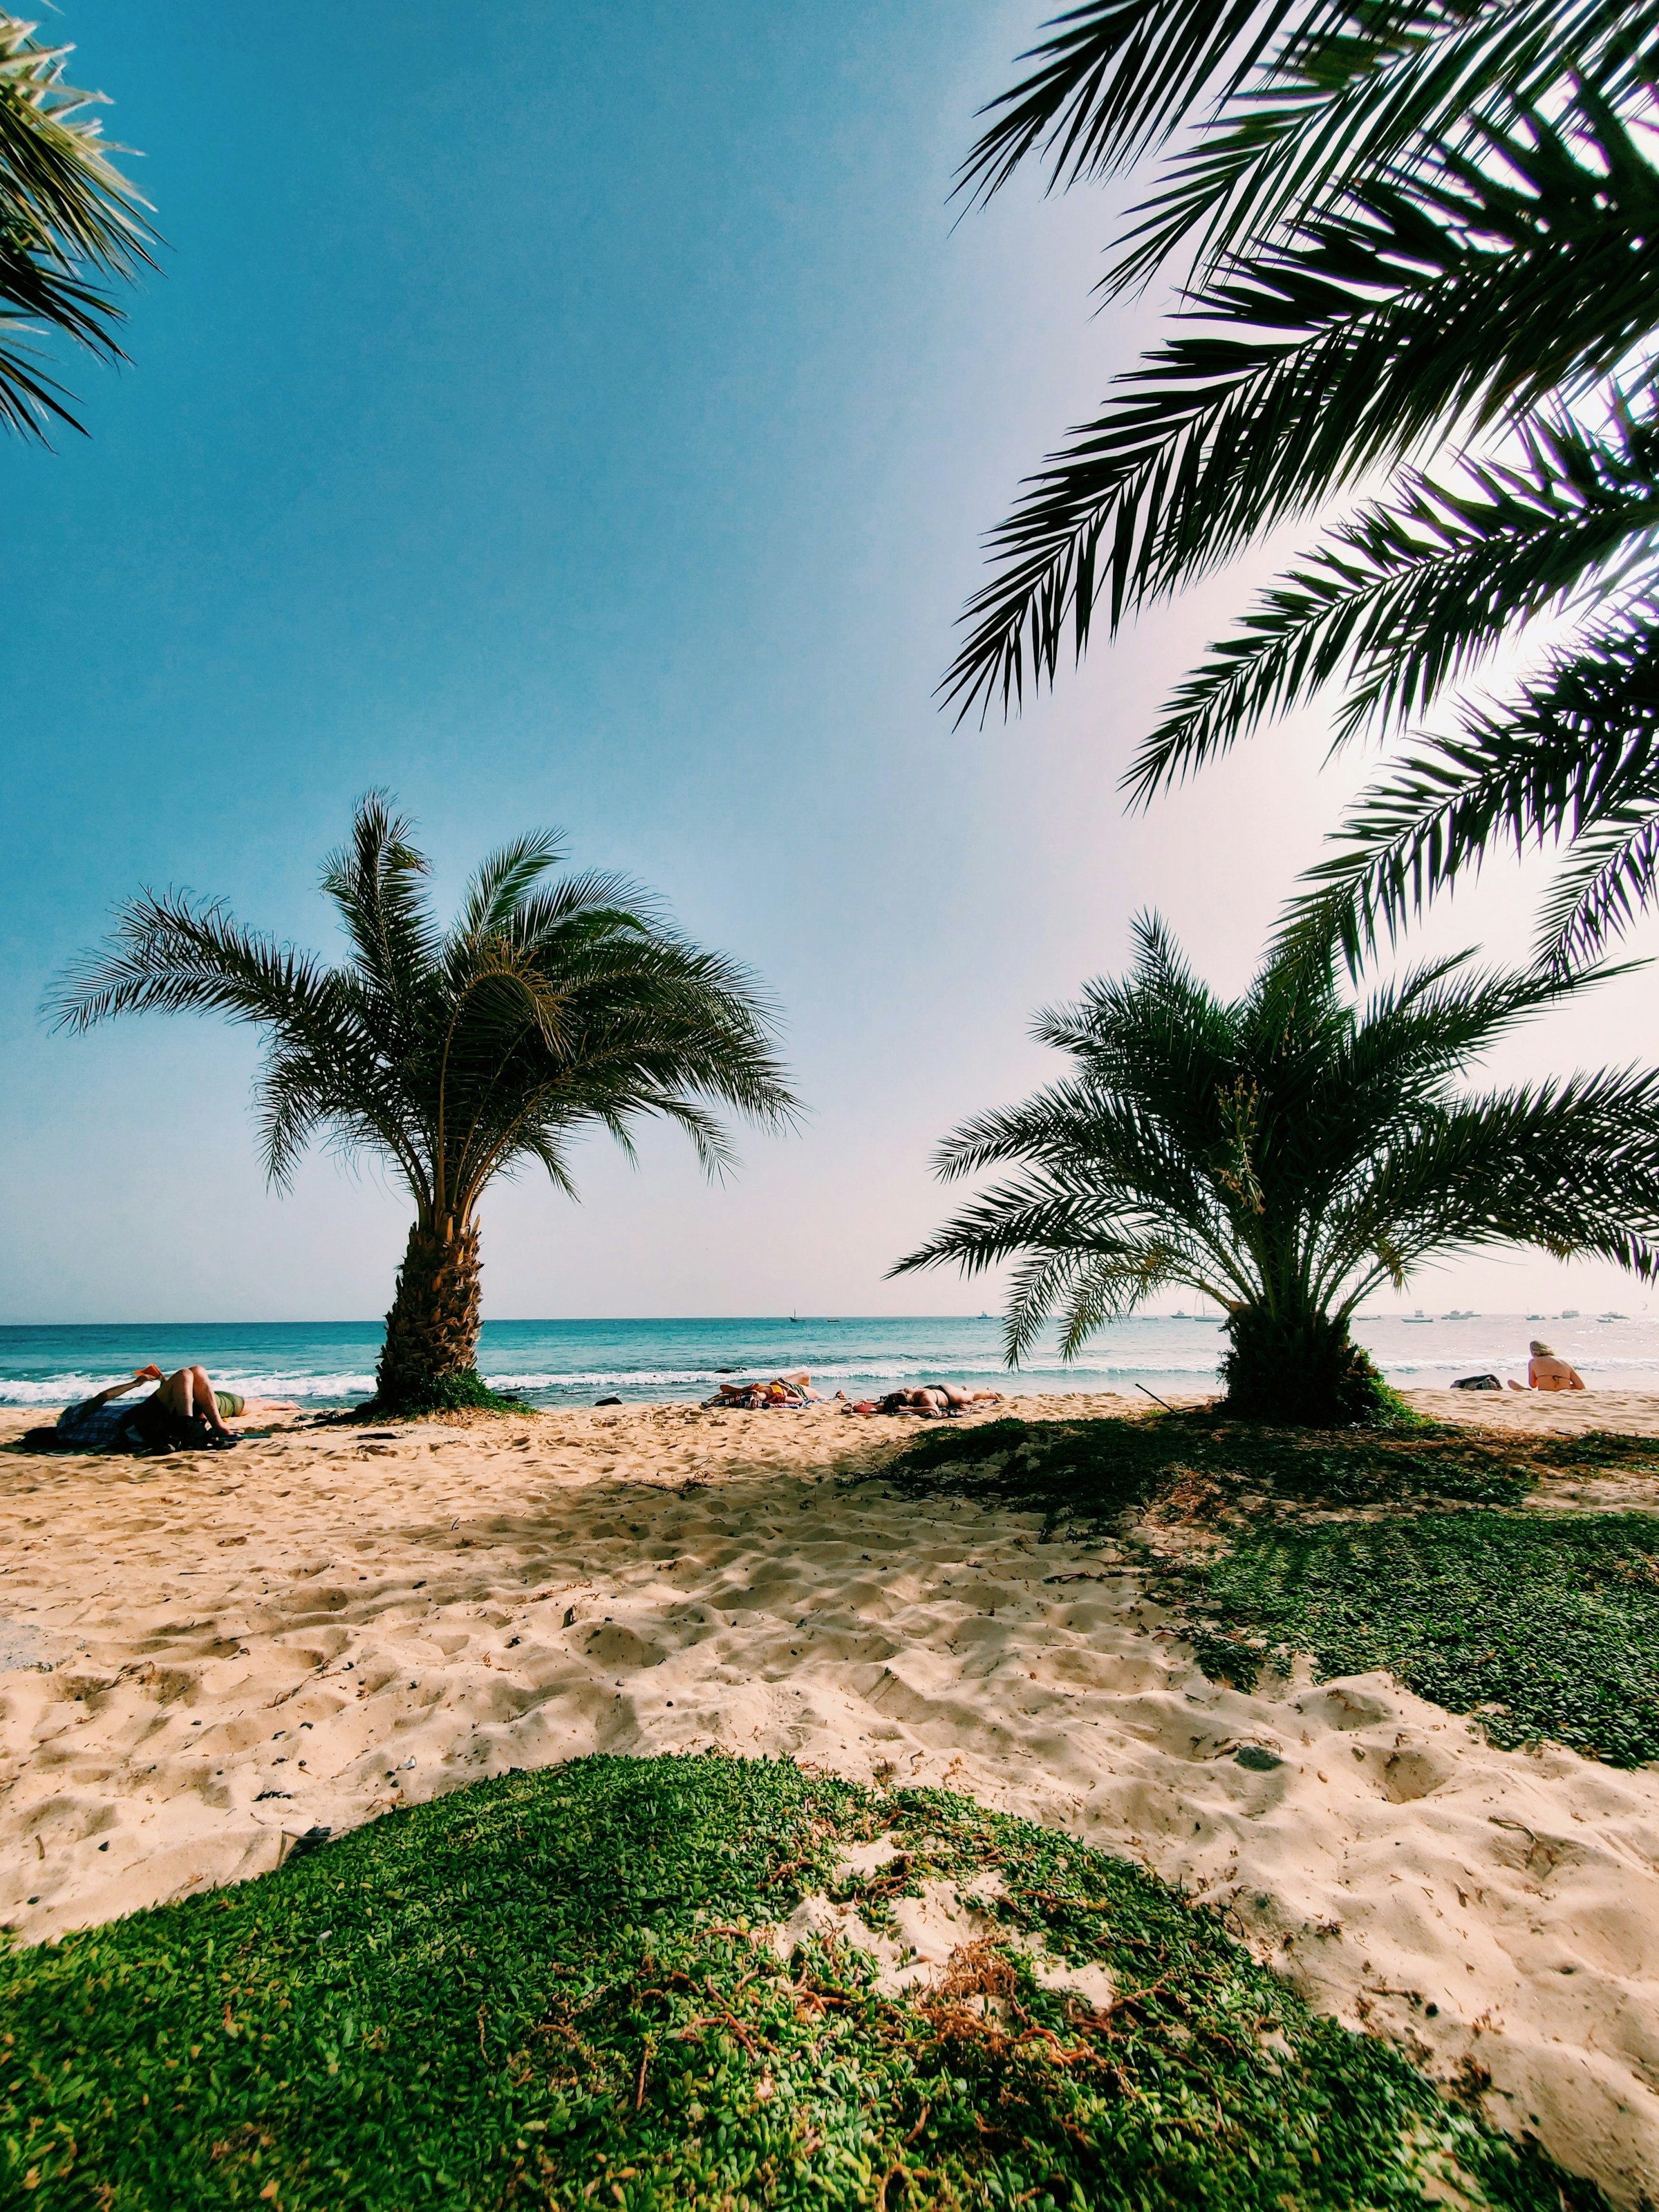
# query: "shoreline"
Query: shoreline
207,1655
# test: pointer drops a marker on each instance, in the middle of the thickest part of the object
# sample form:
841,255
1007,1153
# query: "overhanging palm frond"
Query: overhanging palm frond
1405,597
1612,875
1119,75
68,217
1433,301
1338,107
1575,757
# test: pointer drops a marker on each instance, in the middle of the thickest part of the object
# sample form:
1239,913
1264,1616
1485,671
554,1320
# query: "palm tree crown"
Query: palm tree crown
1286,1154
68,218
549,1007
1407,239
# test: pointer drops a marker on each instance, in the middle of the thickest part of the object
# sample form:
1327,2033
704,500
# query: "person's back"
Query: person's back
1546,1372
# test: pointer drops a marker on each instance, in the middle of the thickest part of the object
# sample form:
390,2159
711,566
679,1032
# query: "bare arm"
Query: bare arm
119,1390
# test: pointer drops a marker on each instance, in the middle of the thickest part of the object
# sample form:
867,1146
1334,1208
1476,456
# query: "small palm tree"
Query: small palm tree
68,219
548,1008
1287,1154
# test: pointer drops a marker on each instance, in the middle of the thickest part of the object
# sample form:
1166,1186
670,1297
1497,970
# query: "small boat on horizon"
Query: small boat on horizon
1419,1320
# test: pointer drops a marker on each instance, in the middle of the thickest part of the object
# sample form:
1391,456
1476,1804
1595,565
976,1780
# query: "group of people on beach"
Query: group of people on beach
936,1400
185,1412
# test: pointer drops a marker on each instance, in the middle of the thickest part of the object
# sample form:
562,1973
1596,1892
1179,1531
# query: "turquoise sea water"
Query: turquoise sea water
554,1362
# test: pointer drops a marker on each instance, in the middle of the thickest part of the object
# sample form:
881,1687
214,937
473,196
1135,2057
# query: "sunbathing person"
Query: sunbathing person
185,1401
939,1399
1546,1372
795,1390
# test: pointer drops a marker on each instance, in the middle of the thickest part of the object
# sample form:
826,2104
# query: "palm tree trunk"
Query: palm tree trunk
1301,1368
432,1330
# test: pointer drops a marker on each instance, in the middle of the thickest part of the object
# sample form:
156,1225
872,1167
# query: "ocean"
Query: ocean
571,1363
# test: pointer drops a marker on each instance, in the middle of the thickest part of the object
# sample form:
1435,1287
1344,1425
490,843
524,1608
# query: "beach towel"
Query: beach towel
90,1428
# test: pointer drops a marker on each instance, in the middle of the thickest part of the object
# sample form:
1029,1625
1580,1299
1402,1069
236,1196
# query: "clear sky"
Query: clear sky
584,414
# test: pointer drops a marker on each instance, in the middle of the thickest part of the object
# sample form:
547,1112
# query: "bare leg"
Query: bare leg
189,1393
177,1392
207,1404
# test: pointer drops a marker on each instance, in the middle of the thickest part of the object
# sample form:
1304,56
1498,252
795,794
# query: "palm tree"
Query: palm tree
1408,240
1285,1155
68,218
547,1009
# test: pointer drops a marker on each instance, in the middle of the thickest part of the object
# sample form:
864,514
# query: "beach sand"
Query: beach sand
205,1656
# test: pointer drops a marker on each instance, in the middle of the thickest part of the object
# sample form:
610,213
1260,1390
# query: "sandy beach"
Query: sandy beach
204,1656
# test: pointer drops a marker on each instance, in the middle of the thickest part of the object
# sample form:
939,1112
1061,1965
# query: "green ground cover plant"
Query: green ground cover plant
1547,1625
1089,1473
546,1991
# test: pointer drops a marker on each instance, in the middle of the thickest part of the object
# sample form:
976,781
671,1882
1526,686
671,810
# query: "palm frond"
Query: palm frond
376,883
1576,752
1432,301
1408,596
503,882
1118,76
1335,109
1611,877
68,217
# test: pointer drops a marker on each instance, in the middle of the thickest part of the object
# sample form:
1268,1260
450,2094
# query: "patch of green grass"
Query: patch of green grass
543,1991
1092,1472
1554,1618
446,1393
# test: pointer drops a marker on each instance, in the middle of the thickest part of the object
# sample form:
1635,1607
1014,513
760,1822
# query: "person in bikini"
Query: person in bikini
1546,1372
939,1398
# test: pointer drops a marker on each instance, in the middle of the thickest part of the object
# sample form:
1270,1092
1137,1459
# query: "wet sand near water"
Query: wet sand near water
204,1656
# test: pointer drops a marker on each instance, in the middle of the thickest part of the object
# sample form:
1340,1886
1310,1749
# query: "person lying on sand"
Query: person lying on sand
185,1401
1546,1372
795,1390
937,1399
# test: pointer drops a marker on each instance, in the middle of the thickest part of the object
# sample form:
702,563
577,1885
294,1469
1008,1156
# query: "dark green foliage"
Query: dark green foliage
446,1393
552,1006
69,220
1285,1153
1091,1472
1407,243
541,1991
1304,1367
1555,1620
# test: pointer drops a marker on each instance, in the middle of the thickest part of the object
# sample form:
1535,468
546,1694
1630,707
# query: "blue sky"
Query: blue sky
583,415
